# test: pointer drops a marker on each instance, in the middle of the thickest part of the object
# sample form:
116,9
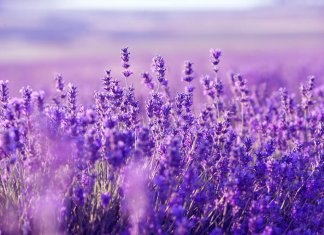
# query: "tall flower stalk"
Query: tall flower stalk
215,55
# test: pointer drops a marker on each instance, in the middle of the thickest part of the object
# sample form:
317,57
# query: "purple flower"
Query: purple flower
27,97
107,81
38,97
145,141
154,105
105,199
208,86
123,144
158,67
174,154
78,195
59,83
218,87
256,224
215,55
183,102
188,72
125,62
72,97
4,91
148,80
307,93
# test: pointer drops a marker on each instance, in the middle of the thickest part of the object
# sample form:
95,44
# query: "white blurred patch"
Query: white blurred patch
135,189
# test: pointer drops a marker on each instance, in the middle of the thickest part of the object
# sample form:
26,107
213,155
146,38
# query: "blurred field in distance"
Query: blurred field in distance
80,44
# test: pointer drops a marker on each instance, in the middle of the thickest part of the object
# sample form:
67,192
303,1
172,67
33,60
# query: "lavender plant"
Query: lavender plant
244,164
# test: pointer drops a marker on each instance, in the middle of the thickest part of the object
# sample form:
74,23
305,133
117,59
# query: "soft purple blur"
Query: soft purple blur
37,43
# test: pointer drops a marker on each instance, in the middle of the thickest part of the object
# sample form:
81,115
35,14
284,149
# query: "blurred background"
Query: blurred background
274,41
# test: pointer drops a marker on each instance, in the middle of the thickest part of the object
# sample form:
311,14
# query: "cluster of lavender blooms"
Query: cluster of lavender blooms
247,163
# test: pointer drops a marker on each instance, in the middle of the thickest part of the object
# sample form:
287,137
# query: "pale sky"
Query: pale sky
161,4
137,4
149,4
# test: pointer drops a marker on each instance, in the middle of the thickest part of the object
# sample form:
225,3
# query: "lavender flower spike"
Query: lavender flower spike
4,91
72,97
59,82
215,55
159,68
147,80
125,62
188,76
306,93
27,97
188,72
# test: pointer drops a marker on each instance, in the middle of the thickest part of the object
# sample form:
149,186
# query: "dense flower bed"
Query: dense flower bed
249,163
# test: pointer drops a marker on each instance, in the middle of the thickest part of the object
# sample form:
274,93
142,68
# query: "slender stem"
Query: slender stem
125,81
306,125
242,116
217,107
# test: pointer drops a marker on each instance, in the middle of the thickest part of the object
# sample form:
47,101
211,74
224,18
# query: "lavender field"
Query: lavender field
166,136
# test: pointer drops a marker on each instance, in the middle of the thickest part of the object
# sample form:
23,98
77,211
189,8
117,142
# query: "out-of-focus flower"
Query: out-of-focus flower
105,199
